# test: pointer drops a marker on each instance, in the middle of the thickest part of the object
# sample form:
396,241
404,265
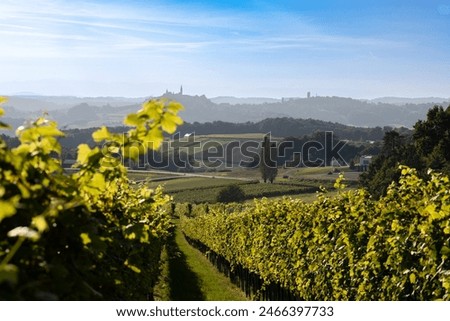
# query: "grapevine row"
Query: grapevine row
347,247
90,235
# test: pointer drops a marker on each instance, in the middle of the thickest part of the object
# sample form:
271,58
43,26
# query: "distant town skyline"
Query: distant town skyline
359,49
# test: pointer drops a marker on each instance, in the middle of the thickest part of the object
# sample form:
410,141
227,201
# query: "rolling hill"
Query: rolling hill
77,112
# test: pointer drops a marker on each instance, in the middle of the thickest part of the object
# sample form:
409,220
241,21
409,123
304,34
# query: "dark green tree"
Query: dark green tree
268,163
393,144
432,139
231,193
384,168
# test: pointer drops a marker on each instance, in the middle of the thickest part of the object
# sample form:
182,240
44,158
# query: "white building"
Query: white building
364,162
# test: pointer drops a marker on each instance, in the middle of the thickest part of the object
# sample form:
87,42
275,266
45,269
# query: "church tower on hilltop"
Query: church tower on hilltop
181,90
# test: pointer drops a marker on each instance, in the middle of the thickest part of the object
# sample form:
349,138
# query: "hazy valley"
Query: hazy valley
78,112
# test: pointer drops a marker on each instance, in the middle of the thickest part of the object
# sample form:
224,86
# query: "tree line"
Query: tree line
427,148
286,126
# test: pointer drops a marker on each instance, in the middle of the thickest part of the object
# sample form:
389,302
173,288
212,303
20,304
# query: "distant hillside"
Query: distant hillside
50,103
75,112
240,101
333,109
405,101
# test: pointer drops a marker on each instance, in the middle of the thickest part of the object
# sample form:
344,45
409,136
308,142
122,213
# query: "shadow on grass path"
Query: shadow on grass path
183,282
187,275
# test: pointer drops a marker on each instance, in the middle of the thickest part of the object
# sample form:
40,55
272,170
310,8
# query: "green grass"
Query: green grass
303,173
247,136
185,183
188,275
143,175
318,173
267,190
196,196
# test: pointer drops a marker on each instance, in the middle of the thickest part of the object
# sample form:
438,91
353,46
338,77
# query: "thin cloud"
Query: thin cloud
181,41
93,26
47,35
315,42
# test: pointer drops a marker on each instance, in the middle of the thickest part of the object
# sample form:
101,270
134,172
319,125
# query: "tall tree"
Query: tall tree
384,168
393,143
268,160
432,139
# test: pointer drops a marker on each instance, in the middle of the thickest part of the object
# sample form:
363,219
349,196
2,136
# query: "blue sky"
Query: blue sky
361,49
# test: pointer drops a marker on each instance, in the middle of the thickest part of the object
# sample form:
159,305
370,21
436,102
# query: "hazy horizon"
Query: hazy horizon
246,49
33,94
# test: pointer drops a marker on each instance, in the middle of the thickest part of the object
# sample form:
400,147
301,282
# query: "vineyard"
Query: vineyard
91,235
207,192
94,234
348,247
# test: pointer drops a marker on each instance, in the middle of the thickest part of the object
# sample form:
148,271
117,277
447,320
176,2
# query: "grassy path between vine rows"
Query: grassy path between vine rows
187,275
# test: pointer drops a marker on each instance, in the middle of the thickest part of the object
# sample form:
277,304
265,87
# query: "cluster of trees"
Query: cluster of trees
427,148
292,129
317,150
286,126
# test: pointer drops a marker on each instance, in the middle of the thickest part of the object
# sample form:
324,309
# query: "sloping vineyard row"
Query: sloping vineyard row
347,247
